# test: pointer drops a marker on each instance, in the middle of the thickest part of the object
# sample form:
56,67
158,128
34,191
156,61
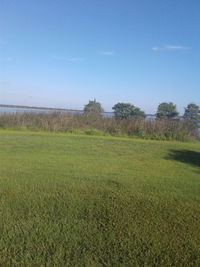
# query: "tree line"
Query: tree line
165,110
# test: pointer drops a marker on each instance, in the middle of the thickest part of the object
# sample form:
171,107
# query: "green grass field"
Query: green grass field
70,200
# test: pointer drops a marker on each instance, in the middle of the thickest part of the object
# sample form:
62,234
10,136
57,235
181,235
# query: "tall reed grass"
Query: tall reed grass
90,124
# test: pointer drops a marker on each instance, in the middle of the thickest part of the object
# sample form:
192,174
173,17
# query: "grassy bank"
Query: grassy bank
98,201
96,125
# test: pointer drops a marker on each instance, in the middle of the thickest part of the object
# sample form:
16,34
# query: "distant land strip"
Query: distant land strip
40,108
56,109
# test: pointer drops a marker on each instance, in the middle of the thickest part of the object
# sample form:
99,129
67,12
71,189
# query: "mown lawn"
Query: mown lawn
98,201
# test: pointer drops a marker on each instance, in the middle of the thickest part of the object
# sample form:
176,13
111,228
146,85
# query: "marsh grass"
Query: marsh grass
97,125
70,200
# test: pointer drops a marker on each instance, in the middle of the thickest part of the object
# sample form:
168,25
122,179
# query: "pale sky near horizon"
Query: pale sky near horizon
63,53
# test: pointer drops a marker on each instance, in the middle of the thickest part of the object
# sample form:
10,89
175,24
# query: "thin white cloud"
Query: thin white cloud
170,48
72,59
107,53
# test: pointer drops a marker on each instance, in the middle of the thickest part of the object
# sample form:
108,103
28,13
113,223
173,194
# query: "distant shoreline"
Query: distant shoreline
56,109
38,108
78,111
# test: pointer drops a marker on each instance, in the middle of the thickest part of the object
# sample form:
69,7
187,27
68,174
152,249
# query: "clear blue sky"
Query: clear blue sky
61,53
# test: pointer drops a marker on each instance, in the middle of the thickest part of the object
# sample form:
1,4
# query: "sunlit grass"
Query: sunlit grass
69,200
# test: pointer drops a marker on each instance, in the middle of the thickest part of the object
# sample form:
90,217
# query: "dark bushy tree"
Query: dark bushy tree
93,108
127,111
192,113
166,111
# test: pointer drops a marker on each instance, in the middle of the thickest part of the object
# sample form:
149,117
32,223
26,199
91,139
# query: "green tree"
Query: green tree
93,108
166,111
127,111
192,113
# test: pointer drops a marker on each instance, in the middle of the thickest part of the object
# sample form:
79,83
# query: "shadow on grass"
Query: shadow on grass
185,156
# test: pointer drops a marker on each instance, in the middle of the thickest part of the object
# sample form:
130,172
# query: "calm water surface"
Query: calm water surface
21,110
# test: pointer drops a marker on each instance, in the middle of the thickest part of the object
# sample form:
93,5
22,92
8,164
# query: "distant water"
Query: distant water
22,110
